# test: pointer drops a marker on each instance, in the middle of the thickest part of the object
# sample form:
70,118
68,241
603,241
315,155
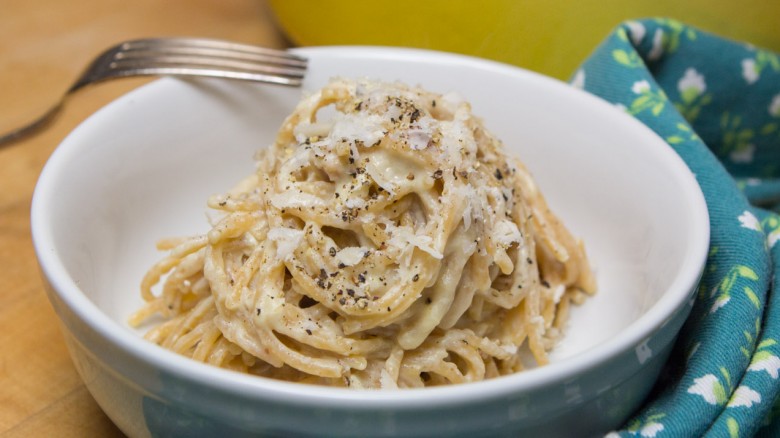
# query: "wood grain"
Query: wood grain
43,47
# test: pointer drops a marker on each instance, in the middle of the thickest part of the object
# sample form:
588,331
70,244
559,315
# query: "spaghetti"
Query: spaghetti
389,244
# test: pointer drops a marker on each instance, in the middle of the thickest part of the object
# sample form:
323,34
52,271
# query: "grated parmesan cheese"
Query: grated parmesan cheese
506,233
295,200
404,237
350,255
367,129
286,240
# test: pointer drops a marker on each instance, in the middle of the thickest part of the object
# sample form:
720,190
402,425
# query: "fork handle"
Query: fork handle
33,126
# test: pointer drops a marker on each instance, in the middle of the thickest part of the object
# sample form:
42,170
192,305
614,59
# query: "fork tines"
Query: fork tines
198,56
177,57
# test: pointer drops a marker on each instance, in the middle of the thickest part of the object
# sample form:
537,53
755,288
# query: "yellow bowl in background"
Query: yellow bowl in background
551,37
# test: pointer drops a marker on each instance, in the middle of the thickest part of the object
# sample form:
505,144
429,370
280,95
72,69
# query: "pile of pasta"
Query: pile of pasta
384,241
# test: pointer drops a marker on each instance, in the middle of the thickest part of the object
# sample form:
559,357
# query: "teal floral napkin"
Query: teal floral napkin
717,103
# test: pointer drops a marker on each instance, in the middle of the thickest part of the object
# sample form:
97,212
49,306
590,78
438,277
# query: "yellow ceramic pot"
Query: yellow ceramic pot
551,37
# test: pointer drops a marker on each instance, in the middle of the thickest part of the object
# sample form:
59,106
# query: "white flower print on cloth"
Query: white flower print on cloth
770,364
764,360
636,31
727,284
651,430
774,106
773,237
640,87
719,303
762,59
744,397
750,70
770,226
738,273
749,220
648,99
710,388
692,88
658,46
691,85
648,427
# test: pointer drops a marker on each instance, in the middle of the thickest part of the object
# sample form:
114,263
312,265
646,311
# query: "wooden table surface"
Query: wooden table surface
44,44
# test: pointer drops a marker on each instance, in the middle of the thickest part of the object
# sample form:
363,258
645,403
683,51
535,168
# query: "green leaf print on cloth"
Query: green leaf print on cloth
717,103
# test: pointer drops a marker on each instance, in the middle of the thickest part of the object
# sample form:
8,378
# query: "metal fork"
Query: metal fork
179,57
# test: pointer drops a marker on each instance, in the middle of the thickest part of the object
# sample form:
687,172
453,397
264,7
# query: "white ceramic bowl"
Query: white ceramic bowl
142,168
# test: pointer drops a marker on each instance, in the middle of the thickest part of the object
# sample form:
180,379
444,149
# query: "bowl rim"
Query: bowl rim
254,387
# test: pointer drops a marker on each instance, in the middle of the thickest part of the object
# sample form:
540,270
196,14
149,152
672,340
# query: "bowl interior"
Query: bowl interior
142,168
